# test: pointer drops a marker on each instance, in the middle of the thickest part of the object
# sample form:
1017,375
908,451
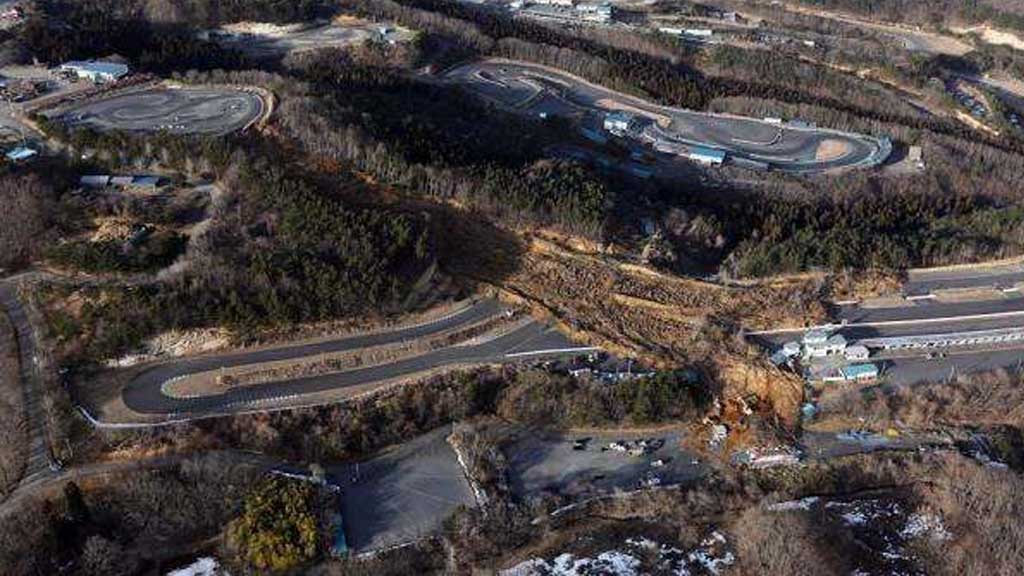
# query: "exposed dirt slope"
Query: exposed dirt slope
665,320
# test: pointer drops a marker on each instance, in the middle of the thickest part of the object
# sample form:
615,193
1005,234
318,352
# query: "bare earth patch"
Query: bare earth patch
604,302
993,36
831,150
609,104
174,344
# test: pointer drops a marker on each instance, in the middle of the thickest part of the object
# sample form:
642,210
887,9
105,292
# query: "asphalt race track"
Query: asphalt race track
176,110
537,90
531,340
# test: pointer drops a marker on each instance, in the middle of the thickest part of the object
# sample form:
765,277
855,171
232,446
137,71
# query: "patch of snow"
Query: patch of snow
201,567
710,555
854,518
925,525
801,504
610,563
262,28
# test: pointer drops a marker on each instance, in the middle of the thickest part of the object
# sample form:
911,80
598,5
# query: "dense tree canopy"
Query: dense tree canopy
277,529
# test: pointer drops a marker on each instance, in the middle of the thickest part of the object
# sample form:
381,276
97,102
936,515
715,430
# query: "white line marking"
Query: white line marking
552,351
966,318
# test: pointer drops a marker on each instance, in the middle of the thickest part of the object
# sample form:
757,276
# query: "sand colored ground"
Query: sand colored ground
666,320
263,28
831,150
927,41
993,36
609,104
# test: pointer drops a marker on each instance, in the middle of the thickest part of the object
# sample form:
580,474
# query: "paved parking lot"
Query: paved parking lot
402,495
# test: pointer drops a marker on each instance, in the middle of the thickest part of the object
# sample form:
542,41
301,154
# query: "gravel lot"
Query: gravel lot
549,463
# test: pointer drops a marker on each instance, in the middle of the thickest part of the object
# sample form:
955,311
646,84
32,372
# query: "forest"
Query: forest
356,108
280,248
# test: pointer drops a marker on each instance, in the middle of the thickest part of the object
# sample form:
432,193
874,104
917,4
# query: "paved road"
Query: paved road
38,463
924,310
922,283
530,340
177,110
536,89
910,328
921,370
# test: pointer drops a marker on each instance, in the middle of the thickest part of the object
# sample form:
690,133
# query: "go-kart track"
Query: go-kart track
538,90
184,110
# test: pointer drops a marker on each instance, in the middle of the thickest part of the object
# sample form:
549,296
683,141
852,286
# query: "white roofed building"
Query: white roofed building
96,70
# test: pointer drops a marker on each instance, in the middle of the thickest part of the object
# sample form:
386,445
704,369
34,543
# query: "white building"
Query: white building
856,352
791,349
619,122
819,344
595,12
95,70
566,3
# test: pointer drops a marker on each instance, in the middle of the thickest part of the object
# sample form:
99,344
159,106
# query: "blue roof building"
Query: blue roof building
859,372
706,155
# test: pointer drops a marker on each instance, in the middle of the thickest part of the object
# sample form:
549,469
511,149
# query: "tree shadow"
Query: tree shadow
474,251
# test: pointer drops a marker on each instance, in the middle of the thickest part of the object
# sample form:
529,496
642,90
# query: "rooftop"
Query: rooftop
857,370
619,116
97,67
704,152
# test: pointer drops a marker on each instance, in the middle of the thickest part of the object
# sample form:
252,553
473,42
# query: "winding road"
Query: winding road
528,340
